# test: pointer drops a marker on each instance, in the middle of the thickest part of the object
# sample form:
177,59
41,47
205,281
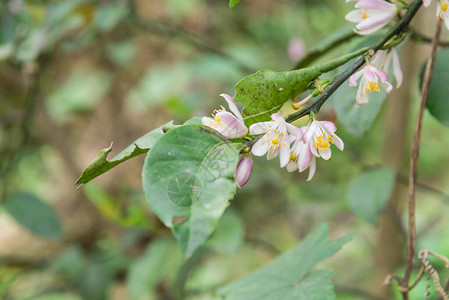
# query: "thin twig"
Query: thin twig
416,36
398,28
411,234
320,50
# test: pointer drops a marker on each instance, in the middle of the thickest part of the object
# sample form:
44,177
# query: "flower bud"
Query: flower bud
243,170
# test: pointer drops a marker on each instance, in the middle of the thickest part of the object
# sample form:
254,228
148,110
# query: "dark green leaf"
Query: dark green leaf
100,165
289,277
369,192
233,3
34,214
188,178
437,101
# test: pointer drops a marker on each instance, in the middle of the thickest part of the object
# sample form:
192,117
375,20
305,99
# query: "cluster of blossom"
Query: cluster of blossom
309,142
298,148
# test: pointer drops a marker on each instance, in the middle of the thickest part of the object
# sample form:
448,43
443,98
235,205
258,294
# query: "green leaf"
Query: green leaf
289,276
188,178
229,235
369,192
264,92
437,103
233,3
34,214
146,271
100,165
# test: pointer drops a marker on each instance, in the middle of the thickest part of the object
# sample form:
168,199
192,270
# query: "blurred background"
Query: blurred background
77,75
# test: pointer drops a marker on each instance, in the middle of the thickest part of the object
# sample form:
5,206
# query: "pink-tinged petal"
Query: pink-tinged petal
375,20
369,75
233,107
292,166
375,4
292,138
352,80
397,69
369,31
261,127
260,147
386,86
294,131
278,118
284,156
354,16
328,126
325,153
338,142
305,158
308,132
232,128
312,169
382,75
243,170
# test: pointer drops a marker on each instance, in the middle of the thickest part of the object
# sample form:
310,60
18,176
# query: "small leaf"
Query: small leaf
437,103
146,271
233,3
100,165
369,192
290,276
264,92
34,214
188,178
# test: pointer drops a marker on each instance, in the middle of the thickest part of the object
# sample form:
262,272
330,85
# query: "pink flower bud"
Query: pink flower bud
296,49
243,170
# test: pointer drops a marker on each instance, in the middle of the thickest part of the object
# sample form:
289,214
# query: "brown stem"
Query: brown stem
411,234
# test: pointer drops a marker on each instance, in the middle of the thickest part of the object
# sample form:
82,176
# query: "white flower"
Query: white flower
371,15
301,158
369,82
382,60
275,140
319,136
442,11
231,126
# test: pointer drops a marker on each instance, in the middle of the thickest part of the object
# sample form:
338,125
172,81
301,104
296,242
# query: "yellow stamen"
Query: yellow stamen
293,157
372,86
322,142
364,15
275,141
217,119
444,6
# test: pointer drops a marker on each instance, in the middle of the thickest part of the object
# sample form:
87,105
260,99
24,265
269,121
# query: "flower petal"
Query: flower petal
336,140
325,153
260,147
375,4
292,166
312,169
233,107
397,69
232,128
354,16
261,127
284,155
